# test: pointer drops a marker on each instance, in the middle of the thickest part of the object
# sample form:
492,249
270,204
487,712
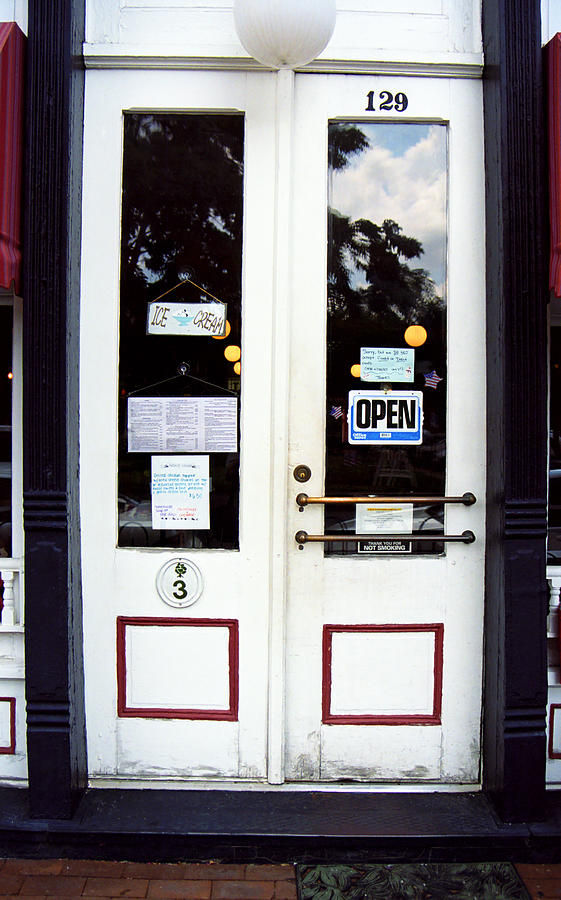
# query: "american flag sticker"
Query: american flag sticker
336,412
432,379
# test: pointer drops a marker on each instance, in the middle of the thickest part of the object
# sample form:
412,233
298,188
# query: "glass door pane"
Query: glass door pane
181,258
386,328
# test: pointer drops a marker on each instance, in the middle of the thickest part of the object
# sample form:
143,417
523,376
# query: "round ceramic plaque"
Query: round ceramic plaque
179,582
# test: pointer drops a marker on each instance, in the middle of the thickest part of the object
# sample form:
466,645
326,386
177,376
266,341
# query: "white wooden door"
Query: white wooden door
383,660
290,664
172,691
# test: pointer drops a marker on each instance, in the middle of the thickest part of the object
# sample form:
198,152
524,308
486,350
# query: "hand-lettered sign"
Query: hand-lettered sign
385,417
180,493
387,364
202,319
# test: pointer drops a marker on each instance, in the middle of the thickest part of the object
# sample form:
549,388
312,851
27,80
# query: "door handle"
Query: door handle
302,537
302,500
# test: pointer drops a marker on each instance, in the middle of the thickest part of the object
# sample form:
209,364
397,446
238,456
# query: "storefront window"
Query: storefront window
386,329
180,330
554,511
6,379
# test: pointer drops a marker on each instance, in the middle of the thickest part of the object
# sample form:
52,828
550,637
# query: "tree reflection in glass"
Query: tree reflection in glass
387,211
181,219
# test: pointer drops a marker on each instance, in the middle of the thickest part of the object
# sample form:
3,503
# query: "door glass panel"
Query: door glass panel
386,331
181,244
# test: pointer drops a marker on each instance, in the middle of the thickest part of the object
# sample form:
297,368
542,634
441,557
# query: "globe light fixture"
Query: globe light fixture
415,335
284,34
221,337
232,353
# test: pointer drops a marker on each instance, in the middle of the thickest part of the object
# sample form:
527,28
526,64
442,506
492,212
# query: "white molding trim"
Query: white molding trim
323,787
280,355
439,65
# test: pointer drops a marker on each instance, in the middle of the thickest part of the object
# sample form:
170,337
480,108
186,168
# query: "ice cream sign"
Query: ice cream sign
385,417
203,319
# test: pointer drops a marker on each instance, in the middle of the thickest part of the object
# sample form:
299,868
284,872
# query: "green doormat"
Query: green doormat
415,881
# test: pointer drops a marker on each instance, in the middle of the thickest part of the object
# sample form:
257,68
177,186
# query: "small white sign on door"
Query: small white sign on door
387,518
387,364
385,417
192,319
180,493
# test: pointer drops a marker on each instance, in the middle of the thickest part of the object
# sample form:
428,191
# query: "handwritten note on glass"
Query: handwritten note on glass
387,364
180,492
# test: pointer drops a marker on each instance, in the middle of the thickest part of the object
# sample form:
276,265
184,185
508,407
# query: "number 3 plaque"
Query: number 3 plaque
179,582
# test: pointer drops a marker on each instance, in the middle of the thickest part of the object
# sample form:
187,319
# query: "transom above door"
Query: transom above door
285,301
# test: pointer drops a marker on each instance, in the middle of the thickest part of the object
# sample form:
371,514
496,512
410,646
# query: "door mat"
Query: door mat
415,881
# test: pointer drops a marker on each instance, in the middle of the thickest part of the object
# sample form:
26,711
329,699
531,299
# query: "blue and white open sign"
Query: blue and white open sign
385,417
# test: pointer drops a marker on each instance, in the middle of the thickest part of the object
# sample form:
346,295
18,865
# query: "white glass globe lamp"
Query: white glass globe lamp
284,34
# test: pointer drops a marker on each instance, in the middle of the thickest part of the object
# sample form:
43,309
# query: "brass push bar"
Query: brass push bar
468,499
302,537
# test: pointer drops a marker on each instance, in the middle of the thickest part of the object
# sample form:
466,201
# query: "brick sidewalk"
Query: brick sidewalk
69,879
66,878
543,882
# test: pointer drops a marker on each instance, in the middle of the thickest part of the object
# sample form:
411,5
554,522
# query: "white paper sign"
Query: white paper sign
180,492
384,518
203,319
182,424
387,364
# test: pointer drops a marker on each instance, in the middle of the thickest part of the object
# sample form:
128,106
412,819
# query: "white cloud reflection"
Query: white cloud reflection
401,176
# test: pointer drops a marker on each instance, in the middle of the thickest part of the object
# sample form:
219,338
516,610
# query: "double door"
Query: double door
282,427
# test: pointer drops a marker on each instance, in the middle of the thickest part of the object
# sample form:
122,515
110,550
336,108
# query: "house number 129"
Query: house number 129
386,101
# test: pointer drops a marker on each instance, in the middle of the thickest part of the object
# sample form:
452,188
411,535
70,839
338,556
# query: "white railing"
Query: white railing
10,573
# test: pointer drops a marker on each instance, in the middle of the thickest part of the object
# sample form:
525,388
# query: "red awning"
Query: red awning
12,44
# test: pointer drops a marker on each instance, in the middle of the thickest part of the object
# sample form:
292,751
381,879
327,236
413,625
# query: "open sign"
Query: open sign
385,417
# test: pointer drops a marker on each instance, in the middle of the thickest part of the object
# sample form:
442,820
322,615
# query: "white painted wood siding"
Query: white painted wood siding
431,31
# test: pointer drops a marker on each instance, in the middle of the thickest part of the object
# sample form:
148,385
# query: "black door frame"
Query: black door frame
516,596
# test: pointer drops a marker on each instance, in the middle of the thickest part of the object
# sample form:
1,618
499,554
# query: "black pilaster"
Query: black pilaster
52,185
515,683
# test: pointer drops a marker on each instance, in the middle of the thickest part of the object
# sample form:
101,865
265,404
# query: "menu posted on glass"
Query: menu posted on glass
180,492
182,424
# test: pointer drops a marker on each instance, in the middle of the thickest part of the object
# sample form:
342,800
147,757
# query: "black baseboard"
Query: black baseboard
259,826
